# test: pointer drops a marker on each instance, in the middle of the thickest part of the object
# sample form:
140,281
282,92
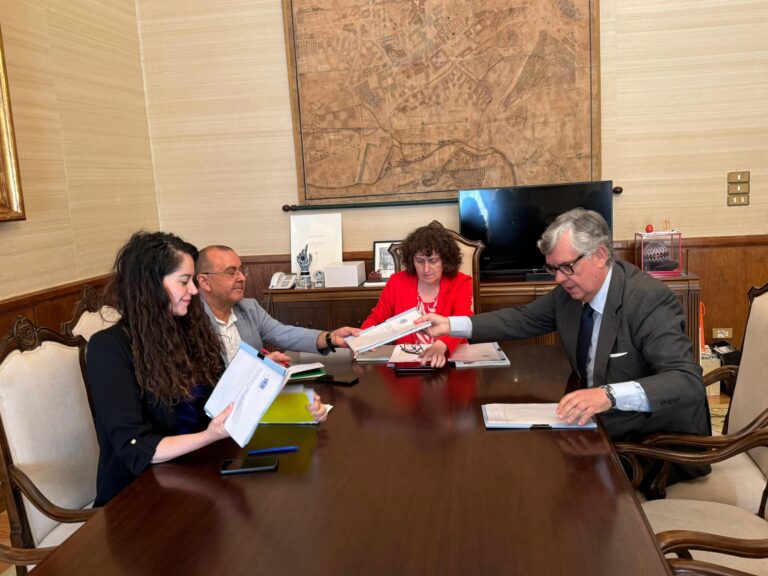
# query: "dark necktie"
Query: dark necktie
585,339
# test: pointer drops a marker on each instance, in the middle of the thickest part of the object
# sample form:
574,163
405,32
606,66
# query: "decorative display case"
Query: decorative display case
659,253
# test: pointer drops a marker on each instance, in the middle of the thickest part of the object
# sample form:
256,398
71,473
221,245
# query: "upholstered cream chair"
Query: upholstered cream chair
470,260
731,501
48,447
90,315
740,480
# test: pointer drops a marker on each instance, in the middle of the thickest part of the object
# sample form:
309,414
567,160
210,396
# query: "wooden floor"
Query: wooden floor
5,534
718,407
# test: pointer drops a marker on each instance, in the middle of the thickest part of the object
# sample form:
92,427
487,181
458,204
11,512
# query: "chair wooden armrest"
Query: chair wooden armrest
660,440
42,503
724,373
691,442
682,541
708,455
685,567
24,556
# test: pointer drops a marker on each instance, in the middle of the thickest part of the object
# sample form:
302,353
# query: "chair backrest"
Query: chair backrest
46,427
90,315
750,395
470,260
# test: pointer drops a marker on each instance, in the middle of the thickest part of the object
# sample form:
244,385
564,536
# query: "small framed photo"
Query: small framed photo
382,260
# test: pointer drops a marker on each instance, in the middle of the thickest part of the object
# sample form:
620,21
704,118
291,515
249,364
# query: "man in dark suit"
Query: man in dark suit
637,368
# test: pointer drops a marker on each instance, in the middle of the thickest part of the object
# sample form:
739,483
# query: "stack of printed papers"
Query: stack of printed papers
527,416
479,355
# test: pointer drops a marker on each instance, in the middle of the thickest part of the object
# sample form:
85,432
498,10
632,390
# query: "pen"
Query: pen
275,450
267,353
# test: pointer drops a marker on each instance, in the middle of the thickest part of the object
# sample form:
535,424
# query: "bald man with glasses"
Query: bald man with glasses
622,330
221,280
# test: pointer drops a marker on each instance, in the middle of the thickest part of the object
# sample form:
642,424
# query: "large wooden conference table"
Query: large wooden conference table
402,479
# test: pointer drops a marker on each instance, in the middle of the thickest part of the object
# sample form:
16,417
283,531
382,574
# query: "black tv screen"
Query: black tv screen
510,221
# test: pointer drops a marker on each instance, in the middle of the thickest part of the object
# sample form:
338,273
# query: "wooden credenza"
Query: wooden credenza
327,308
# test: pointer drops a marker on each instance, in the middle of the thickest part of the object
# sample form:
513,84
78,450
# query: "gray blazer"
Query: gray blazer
257,328
642,338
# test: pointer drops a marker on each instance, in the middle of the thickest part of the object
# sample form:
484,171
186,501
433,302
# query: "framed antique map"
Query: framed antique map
415,99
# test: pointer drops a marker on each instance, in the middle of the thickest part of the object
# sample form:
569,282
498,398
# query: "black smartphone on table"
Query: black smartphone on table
413,368
338,379
248,465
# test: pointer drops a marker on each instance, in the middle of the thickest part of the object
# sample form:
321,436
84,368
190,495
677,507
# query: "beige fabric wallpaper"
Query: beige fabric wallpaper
146,113
684,101
74,70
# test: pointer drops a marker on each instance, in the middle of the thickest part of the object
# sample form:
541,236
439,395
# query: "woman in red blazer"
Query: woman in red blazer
432,282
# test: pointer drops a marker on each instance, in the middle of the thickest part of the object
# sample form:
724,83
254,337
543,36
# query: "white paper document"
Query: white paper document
527,416
479,355
400,355
252,382
379,355
394,328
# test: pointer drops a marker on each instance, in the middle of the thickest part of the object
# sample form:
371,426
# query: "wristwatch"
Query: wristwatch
608,389
329,342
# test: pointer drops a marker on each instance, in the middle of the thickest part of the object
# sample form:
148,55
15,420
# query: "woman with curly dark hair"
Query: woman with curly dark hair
152,372
431,282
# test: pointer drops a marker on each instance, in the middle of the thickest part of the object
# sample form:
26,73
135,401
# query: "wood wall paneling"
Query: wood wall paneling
727,268
50,307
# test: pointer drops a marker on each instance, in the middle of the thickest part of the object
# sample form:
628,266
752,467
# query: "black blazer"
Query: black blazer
129,425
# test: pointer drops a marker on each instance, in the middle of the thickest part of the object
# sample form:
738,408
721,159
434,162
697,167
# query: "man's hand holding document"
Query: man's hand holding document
394,328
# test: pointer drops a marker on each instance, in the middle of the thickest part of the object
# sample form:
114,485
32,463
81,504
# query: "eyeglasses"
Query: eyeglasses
231,271
566,267
412,348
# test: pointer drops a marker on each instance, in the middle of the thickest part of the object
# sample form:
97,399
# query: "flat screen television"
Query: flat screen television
511,220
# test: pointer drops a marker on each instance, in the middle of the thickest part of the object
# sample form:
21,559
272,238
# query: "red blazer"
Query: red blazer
401,292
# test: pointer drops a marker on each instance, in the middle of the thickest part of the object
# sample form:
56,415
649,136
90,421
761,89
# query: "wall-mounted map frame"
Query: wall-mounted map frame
412,100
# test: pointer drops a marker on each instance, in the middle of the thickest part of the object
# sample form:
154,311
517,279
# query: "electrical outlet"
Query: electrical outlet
738,176
738,199
722,333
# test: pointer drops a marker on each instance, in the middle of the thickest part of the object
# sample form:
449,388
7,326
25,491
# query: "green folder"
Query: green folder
307,374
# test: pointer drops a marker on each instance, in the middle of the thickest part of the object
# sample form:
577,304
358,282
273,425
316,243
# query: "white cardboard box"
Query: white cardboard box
344,274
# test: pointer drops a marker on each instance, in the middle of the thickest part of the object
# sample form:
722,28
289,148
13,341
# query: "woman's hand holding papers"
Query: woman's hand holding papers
216,426
173,446
317,409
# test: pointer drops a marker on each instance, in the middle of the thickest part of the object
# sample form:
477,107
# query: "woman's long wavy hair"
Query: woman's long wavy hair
171,354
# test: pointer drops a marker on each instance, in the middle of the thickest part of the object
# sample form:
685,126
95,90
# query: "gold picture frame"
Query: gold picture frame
11,198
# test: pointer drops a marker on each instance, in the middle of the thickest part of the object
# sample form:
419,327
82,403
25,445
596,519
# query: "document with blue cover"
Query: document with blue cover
528,416
251,381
